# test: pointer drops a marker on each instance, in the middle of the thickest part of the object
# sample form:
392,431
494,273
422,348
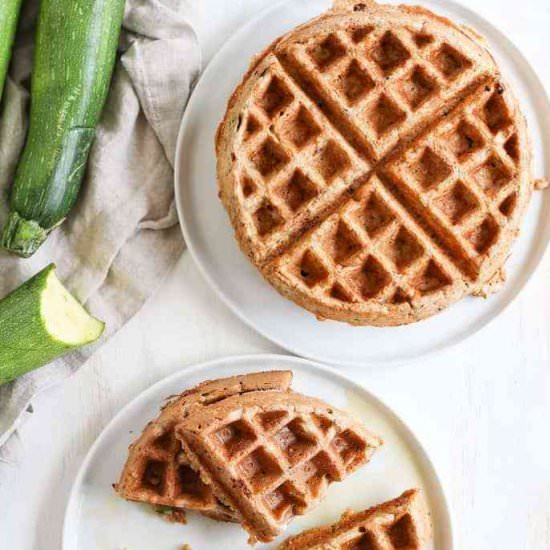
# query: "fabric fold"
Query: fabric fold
122,237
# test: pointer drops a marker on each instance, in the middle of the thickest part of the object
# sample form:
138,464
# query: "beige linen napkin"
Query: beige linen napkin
122,237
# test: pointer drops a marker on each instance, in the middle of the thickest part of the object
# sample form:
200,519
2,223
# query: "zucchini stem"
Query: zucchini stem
22,237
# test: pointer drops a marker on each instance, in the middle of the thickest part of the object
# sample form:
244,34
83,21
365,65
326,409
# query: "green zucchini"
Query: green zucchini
76,43
40,321
9,14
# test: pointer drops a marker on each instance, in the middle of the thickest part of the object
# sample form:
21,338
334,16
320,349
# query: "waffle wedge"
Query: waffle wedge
402,523
374,164
157,470
270,456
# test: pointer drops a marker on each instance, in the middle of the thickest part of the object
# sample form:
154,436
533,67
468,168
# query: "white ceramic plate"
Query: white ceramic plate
96,519
210,237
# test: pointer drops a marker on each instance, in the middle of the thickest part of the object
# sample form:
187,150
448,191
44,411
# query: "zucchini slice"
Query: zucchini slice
40,321
75,50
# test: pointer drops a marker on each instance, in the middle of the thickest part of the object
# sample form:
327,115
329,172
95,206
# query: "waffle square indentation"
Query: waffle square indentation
327,52
457,203
450,62
235,437
418,87
298,191
260,468
356,82
312,270
276,96
390,53
295,441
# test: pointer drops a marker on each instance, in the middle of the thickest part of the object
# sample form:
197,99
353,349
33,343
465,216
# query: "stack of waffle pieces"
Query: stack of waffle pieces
245,449
374,164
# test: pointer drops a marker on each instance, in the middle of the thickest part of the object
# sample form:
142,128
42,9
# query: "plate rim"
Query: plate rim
461,336
287,361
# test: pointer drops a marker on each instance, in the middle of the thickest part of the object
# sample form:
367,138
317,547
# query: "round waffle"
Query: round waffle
374,164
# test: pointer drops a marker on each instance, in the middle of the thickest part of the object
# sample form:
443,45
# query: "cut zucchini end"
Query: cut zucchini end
65,320
22,237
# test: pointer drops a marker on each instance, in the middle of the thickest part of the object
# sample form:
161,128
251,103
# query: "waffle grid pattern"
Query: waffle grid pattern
467,169
401,524
391,533
157,469
273,463
287,461
372,247
414,114
164,476
292,165
384,80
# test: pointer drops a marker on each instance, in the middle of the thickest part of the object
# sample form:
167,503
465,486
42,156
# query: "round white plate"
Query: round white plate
209,234
96,519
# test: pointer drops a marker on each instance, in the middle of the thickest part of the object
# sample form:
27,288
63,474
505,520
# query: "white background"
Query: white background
481,409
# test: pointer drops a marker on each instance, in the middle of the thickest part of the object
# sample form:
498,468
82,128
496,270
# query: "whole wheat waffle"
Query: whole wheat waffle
374,164
271,455
402,523
157,470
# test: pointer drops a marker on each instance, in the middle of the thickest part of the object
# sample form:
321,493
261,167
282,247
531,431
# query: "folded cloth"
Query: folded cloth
122,237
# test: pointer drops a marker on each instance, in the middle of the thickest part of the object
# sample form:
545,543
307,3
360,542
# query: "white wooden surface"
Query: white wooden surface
481,409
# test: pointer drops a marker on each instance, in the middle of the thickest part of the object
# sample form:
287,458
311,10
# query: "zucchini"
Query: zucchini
9,14
76,43
40,321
